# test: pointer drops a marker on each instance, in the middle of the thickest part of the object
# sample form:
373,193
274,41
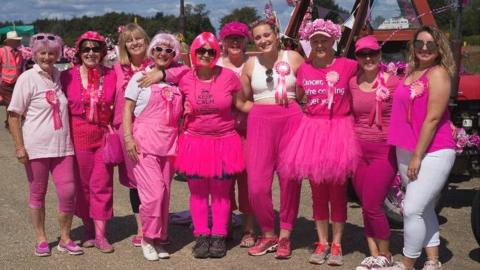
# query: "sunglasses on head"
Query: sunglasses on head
369,53
95,49
41,37
202,51
419,44
269,73
160,49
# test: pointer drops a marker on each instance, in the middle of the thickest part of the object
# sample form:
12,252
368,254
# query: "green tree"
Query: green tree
245,14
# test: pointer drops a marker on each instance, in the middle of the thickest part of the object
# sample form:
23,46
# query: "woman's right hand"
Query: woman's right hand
131,149
22,155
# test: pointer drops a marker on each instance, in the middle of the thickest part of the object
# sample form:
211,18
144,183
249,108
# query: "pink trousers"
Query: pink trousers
270,128
372,180
329,201
153,175
61,168
95,194
219,191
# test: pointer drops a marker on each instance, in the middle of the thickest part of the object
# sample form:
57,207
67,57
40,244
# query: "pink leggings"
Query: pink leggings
219,190
372,180
270,128
61,168
154,176
95,195
333,195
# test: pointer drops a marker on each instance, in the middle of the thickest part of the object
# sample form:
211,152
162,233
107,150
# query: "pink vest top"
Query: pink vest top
404,133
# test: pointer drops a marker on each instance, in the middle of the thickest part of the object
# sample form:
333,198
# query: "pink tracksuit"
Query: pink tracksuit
155,131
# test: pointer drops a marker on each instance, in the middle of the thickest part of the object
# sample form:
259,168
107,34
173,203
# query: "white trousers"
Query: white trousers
420,222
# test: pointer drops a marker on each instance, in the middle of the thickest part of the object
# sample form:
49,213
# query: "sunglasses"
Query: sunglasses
95,49
269,73
369,53
419,44
41,37
202,51
160,49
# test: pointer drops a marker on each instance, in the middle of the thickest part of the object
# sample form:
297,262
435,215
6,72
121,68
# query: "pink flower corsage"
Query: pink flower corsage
417,88
120,28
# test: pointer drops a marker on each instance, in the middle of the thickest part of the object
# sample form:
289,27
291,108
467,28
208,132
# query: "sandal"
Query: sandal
248,240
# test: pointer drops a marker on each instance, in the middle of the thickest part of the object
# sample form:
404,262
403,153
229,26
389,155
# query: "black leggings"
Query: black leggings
134,200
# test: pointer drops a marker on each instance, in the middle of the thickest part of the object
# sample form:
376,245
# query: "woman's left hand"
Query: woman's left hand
149,78
414,168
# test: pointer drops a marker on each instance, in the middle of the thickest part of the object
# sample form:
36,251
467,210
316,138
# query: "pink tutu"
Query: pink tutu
323,150
201,156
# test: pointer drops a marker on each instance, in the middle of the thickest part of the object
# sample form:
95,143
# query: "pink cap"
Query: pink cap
89,35
234,29
367,42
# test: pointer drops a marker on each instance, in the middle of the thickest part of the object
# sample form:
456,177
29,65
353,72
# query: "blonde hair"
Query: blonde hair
129,30
445,56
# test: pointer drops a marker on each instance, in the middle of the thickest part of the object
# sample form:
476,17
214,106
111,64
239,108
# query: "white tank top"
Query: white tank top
263,90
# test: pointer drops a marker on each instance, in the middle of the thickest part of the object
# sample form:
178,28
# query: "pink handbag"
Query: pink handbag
112,148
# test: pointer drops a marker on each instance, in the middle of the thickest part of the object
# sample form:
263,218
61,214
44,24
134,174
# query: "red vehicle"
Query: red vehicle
394,24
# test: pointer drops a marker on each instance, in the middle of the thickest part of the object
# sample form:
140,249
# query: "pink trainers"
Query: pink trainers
284,249
103,245
136,241
71,247
42,249
264,245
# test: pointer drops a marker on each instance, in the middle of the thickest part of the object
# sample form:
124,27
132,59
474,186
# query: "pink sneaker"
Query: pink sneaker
103,245
136,241
71,247
264,245
284,249
42,249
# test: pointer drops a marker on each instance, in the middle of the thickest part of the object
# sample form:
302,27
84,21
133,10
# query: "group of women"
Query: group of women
358,121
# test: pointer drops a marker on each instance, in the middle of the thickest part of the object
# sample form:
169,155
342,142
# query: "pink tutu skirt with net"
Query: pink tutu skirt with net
202,156
323,150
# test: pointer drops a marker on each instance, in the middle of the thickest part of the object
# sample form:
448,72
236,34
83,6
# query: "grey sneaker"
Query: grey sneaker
431,265
320,254
335,258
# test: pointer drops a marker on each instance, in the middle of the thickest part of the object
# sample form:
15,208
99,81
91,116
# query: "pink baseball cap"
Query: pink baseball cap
367,42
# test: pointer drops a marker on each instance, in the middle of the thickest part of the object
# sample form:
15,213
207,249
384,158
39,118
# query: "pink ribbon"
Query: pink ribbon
382,93
92,87
167,94
283,69
52,99
332,78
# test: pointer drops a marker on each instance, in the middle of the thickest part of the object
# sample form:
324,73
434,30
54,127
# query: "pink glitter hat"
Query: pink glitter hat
90,35
323,27
234,29
367,42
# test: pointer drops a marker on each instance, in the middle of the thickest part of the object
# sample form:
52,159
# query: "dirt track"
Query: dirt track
459,250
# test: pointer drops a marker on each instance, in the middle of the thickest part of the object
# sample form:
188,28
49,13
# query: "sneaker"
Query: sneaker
88,238
320,253
136,241
42,249
367,263
431,265
218,247
284,249
395,266
335,258
201,247
164,242
103,245
382,261
162,252
149,251
264,245
71,247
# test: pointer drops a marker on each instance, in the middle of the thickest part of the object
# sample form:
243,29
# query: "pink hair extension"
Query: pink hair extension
165,39
43,41
200,41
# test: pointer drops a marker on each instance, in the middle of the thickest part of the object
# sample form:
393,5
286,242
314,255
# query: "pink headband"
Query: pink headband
323,27
200,41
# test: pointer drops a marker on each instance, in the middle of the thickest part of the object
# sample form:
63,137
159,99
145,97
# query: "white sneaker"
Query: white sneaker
366,264
162,253
430,265
149,252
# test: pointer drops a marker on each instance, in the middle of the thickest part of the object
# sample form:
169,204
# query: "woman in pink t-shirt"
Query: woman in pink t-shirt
324,148
421,132
209,149
42,140
132,57
372,91
234,36
90,90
